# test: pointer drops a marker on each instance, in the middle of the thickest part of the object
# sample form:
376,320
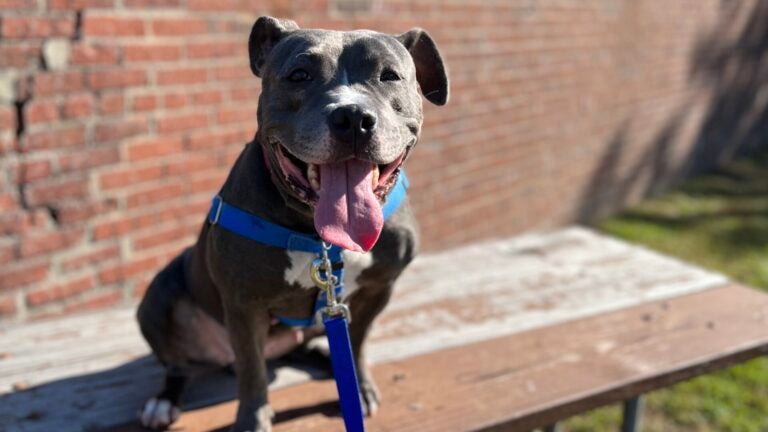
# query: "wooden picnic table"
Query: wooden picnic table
507,335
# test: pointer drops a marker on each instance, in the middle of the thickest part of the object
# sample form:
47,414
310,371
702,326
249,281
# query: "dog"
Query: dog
339,113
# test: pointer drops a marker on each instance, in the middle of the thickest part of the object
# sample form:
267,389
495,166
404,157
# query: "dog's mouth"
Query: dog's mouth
346,196
305,179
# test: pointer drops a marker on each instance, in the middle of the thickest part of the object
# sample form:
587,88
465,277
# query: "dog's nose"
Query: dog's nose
350,123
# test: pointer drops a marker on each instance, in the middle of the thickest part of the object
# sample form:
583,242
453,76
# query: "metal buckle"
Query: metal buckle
218,203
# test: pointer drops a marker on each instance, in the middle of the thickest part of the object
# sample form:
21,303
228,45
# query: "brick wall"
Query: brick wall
120,118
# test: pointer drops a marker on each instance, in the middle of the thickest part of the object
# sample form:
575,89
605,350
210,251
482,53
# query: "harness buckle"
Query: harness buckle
215,214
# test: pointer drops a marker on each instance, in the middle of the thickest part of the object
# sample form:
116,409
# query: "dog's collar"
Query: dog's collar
255,228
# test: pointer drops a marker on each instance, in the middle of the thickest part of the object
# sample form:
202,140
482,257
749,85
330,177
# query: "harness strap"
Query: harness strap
257,229
263,231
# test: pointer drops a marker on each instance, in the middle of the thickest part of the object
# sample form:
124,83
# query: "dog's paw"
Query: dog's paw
263,417
159,414
370,396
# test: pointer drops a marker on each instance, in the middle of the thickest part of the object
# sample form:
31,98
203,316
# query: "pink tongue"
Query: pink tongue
348,214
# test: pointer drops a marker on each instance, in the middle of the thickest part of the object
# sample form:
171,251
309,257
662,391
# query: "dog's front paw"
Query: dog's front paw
370,396
259,421
159,414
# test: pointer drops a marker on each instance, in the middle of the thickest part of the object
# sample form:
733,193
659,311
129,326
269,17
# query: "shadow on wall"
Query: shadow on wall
734,70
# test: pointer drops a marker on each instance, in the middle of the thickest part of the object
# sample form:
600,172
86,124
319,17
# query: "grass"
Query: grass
718,221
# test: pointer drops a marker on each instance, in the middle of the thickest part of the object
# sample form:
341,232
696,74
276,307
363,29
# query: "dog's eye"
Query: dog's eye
389,75
299,75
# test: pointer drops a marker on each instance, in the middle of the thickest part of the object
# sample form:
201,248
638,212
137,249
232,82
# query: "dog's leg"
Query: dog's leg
248,326
365,305
161,411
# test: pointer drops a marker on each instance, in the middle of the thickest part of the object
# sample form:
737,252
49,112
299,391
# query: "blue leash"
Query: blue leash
329,280
335,319
343,362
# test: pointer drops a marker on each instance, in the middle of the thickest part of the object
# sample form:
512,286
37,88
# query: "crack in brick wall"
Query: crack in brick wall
119,119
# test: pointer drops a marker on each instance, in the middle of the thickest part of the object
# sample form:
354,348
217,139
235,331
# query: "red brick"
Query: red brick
42,243
244,94
229,73
207,5
78,106
34,170
119,178
154,195
57,83
144,103
191,162
53,190
60,291
151,52
241,115
122,271
8,202
179,26
75,262
207,97
41,111
16,5
152,3
79,4
87,54
207,183
213,139
154,147
36,27
8,248
111,103
175,100
20,54
66,137
231,26
97,301
117,130
106,230
182,122
96,25
82,160
162,236
116,78
18,275
7,306
182,76
74,212
7,118
215,49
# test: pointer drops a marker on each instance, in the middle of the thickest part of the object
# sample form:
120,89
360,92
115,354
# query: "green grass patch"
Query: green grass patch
718,221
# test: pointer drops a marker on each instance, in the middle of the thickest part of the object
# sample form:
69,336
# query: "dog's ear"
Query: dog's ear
430,70
265,34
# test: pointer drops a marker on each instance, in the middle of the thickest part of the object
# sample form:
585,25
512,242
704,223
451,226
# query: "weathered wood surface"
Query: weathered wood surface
93,371
530,379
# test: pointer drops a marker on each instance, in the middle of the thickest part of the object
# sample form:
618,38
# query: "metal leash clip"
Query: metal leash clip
323,277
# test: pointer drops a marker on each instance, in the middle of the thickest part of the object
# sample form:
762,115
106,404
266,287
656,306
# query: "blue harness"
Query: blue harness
257,229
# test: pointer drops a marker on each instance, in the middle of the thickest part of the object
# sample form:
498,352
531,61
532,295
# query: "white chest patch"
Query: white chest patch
354,264
298,272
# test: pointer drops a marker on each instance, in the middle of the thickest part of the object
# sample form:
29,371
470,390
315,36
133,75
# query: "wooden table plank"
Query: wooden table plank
529,379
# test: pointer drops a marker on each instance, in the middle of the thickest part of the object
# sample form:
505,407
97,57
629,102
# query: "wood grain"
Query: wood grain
532,378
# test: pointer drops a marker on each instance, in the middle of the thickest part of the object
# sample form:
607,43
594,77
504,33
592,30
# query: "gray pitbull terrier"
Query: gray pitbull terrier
338,114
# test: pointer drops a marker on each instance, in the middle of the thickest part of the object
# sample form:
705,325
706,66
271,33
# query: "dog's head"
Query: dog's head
338,114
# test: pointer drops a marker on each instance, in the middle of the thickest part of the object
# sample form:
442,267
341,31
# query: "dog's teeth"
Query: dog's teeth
375,176
313,176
